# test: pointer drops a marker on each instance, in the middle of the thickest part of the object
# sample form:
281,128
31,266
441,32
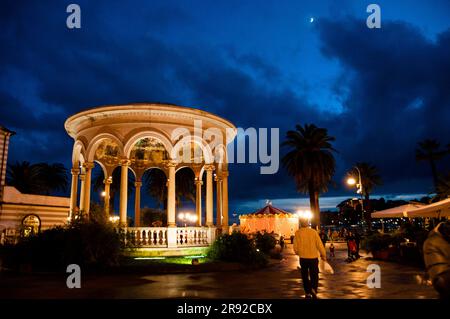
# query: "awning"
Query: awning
396,212
438,209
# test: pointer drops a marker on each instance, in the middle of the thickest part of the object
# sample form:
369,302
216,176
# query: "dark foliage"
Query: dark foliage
91,245
236,247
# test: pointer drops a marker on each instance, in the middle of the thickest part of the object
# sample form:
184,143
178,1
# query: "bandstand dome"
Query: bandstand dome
142,136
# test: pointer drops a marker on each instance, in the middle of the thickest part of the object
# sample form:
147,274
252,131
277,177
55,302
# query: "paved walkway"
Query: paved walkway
281,280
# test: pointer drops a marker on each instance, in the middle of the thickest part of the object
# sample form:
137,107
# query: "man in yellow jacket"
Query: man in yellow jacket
308,246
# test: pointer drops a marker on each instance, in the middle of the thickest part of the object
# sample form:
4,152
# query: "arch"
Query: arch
144,134
39,224
97,140
78,153
220,156
206,150
103,167
185,166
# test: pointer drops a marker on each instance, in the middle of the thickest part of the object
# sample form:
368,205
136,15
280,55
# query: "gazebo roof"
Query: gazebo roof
267,210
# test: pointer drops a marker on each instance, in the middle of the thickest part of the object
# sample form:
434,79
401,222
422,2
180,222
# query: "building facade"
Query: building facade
23,214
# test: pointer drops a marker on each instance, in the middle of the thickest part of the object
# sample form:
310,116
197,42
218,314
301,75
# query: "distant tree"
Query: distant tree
369,179
153,217
154,183
311,162
429,150
40,178
114,188
54,177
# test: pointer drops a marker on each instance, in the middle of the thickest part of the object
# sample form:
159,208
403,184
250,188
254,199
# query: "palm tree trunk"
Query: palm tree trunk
434,173
317,212
314,205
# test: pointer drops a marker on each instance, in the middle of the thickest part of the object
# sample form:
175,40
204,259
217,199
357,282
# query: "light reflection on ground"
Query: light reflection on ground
281,280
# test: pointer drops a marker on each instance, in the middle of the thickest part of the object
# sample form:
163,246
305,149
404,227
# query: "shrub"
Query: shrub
265,242
377,242
236,247
88,244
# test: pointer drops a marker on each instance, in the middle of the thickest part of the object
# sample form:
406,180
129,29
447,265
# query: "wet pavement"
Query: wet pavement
280,280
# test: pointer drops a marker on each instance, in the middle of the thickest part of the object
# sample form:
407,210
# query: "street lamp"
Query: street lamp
187,217
351,181
304,215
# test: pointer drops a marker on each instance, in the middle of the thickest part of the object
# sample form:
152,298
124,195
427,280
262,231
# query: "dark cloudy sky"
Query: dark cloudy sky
256,63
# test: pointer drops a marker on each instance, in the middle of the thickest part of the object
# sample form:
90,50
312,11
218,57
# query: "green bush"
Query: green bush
265,242
377,242
88,244
236,247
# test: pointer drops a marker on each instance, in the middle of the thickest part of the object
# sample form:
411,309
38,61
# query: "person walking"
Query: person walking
323,237
357,242
308,246
350,239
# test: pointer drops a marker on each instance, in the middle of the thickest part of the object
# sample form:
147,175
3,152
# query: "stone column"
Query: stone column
74,192
107,197
82,191
87,187
198,200
124,192
218,181
137,203
209,195
225,225
171,221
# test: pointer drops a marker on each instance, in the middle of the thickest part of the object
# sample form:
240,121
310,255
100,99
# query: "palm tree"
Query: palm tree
429,150
40,178
114,188
311,162
154,182
24,177
155,185
54,177
443,188
369,179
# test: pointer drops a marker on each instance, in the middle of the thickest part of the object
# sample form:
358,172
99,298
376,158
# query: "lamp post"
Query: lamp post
351,181
187,217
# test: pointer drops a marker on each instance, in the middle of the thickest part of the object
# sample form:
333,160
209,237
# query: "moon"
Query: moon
311,20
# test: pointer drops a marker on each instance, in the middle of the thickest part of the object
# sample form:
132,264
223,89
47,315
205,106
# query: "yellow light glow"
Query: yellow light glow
114,219
103,194
304,214
351,181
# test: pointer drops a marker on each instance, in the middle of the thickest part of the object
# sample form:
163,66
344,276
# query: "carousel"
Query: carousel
270,219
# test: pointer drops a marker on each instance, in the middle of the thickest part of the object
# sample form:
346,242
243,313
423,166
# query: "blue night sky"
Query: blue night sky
256,63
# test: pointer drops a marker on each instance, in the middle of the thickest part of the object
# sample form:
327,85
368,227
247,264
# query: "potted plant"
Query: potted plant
378,245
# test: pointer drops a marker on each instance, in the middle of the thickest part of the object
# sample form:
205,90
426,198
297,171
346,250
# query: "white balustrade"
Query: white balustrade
157,236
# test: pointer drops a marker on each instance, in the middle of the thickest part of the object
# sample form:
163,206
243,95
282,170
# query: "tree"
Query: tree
429,150
443,187
114,188
155,185
53,176
40,178
311,162
369,179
